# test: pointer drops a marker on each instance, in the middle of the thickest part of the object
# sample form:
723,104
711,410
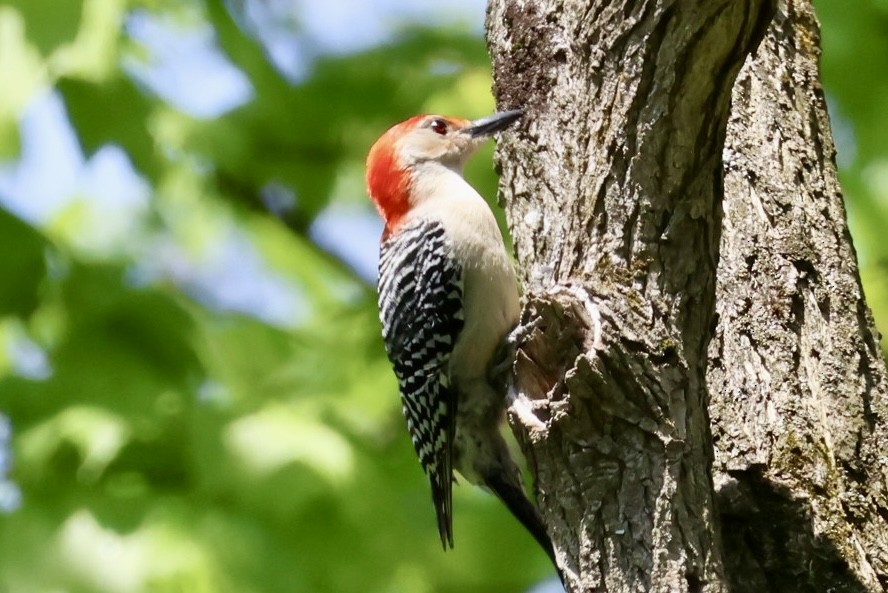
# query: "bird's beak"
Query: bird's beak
491,124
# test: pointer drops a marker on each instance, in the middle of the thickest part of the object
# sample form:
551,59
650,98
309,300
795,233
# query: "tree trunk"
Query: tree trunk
796,377
614,190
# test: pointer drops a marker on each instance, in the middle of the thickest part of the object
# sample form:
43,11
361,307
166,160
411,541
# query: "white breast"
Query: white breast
491,305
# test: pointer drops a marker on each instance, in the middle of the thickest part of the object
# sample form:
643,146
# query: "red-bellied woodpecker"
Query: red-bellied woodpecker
448,297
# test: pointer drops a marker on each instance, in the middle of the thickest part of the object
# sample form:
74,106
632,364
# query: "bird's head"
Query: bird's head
405,148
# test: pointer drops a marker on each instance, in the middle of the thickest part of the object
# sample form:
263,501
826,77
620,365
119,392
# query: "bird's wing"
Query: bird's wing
421,308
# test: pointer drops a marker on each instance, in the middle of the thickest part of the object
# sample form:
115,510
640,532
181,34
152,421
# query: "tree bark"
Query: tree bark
613,189
797,380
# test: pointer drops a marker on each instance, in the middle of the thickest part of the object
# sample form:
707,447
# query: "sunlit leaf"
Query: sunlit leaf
22,73
275,436
92,54
97,434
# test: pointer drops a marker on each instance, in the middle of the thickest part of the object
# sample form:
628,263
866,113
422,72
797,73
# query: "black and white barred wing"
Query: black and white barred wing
420,303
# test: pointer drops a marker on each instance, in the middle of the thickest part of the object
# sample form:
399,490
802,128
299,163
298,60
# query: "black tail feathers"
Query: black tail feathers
442,496
516,500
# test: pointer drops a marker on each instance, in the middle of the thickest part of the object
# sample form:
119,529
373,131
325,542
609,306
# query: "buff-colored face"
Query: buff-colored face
437,138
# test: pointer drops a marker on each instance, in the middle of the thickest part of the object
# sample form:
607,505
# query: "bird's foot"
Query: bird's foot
506,355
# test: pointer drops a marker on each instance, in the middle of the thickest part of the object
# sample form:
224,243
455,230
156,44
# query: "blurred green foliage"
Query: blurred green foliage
163,444
171,446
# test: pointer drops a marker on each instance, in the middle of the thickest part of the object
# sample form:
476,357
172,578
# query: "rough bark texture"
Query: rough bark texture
613,188
614,185
796,375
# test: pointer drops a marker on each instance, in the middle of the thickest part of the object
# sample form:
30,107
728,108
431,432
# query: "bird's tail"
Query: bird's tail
441,479
516,500
513,496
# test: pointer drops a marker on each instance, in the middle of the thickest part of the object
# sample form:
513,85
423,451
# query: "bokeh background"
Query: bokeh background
193,390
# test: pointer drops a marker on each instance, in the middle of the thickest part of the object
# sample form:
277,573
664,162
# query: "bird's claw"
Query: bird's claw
509,347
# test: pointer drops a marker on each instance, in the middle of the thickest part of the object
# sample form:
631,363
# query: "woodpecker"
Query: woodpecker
448,297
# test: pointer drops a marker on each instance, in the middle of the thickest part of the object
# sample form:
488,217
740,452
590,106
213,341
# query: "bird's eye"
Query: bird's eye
439,126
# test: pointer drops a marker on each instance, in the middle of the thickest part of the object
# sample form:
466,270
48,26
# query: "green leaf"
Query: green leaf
22,267
113,112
